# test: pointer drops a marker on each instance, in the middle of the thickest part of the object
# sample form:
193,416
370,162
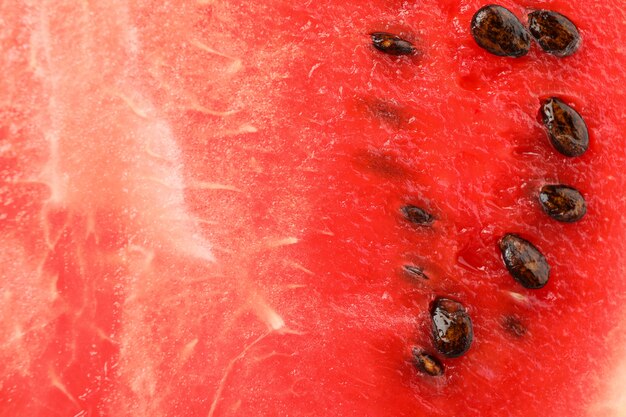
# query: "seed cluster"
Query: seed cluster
498,31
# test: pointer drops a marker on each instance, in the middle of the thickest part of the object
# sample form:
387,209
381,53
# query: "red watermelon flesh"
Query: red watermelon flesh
201,211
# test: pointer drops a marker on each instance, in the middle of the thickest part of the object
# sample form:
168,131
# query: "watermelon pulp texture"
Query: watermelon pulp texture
200,211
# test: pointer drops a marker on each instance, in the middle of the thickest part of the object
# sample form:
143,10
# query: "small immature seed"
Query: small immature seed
415,272
392,44
514,326
554,33
562,203
387,111
566,129
427,363
498,31
417,215
525,262
452,327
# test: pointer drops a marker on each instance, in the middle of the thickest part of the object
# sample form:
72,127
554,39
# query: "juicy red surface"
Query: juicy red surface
110,308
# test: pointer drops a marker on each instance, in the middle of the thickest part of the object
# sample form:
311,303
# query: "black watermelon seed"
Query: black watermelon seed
500,32
392,44
514,326
452,327
562,203
525,262
417,215
554,33
427,363
415,272
566,128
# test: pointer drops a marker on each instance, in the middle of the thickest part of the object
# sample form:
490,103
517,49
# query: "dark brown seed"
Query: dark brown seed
555,33
392,44
427,363
562,203
566,129
524,261
514,326
417,215
452,327
498,31
415,272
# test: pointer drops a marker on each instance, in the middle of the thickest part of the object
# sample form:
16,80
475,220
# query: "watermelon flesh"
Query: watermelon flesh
201,211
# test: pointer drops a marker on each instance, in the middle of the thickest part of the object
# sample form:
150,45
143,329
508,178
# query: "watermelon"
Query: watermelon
358,208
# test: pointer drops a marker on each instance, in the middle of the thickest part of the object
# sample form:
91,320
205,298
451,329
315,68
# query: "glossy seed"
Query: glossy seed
566,129
562,203
427,363
392,44
452,327
417,215
500,32
554,33
415,272
525,262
